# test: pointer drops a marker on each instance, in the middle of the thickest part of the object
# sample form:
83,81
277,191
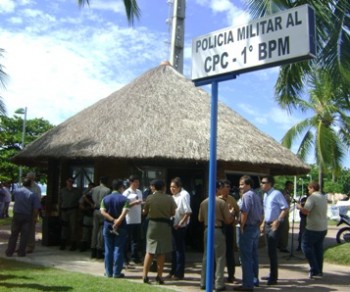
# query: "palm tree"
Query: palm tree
327,131
333,45
2,85
131,7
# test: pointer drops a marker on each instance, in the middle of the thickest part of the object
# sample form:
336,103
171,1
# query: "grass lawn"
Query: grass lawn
6,221
338,254
17,276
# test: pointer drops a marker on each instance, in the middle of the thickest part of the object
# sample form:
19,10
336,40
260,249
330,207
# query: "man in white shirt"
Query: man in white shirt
133,219
180,223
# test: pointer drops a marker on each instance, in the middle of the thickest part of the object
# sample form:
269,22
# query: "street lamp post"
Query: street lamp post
22,111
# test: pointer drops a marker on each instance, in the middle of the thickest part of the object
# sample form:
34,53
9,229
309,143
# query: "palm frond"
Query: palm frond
290,84
131,8
294,132
335,55
305,145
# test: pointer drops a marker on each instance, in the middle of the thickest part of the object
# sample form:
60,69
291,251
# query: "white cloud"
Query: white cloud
58,67
7,6
282,119
108,5
269,116
235,15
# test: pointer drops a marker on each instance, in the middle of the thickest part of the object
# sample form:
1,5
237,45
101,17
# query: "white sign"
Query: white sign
279,38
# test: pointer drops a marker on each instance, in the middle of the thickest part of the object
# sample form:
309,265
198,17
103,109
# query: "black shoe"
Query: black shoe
202,287
146,280
73,247
63,245
271,282
136,260
241,288
159,280
120,276
83,246
265,278
99,254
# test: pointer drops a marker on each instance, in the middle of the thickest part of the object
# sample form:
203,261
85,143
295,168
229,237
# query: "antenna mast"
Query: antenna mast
177,34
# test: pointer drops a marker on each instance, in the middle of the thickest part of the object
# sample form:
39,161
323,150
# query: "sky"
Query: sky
61,58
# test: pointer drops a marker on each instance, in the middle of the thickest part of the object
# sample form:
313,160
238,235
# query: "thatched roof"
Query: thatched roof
160,115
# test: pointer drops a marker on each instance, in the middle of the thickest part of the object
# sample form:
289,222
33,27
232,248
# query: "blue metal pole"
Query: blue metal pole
212,187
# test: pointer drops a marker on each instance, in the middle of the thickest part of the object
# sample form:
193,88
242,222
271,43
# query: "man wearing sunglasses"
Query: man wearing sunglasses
275,210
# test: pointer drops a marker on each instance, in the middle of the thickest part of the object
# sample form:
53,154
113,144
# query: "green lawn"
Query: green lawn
18,276
338,254
6,221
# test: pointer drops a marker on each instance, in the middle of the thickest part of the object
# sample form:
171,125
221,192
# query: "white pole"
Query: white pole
23,140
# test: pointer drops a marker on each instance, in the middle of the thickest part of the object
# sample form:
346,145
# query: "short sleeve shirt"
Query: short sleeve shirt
274,203
222,212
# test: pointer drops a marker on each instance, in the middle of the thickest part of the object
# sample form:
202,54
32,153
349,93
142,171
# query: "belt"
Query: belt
68,208
251,225
214,227
166,220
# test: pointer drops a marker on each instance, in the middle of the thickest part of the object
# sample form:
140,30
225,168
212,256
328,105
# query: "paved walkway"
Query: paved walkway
293,271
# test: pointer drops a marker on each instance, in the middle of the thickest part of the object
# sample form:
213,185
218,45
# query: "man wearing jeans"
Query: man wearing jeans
114,208
252,213
316,229
25,211
275,210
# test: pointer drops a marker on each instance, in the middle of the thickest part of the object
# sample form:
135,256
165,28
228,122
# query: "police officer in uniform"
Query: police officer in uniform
223,215
69,202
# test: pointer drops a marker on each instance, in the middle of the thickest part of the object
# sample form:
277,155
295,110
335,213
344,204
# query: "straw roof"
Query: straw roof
160,115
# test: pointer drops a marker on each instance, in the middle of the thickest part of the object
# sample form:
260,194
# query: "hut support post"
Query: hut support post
212,187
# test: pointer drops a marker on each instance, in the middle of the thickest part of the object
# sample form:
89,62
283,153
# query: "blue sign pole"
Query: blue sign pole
212,187
212,174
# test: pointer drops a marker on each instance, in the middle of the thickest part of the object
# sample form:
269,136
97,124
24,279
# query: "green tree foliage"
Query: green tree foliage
332,41
326,132
344,180
11,142
339,185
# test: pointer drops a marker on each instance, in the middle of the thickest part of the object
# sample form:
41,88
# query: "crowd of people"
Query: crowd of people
122,226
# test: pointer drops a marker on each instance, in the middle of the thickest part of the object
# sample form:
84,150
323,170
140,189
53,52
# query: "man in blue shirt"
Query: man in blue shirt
252,214
25,211
275,210
114,208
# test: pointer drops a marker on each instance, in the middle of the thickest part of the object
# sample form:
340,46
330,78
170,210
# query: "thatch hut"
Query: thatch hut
156,126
